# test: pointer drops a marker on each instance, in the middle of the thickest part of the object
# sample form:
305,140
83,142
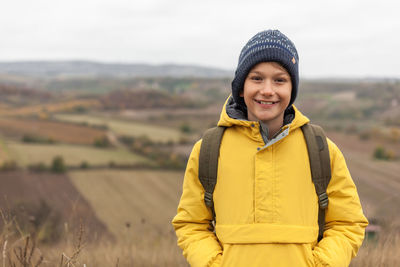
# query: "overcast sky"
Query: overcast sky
341,38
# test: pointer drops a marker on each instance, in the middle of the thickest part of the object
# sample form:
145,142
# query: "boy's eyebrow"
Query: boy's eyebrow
280,72
254,71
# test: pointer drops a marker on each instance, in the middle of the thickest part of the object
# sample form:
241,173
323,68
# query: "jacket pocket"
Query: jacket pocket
270,254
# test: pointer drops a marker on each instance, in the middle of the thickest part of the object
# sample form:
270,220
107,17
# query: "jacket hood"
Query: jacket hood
232,114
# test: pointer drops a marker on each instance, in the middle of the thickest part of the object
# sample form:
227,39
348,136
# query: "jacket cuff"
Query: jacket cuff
318,262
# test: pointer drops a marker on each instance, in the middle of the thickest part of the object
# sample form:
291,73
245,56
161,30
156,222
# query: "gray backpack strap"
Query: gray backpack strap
318,153
208,163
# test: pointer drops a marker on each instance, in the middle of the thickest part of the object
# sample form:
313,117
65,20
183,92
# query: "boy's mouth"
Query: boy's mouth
266,102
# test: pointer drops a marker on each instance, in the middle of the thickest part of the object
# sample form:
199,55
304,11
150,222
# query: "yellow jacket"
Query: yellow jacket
266,205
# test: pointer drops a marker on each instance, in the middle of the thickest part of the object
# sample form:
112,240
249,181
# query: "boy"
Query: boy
265,202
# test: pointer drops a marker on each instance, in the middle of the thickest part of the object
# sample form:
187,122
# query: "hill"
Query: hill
43,69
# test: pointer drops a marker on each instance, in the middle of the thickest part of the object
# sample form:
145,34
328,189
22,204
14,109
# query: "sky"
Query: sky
341,38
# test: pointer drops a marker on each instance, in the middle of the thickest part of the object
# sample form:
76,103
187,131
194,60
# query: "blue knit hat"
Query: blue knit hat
269,45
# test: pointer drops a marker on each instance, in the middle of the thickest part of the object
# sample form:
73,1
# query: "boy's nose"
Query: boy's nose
267,88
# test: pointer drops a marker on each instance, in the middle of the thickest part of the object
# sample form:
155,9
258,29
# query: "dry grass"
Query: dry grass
383,252
161,252
147,250
19,250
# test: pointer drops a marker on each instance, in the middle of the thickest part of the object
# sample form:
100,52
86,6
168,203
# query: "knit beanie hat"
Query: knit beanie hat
269,45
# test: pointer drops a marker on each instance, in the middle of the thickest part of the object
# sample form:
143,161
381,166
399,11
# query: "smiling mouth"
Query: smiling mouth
266,102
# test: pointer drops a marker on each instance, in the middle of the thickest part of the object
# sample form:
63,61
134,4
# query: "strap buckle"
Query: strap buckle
323,200
208,199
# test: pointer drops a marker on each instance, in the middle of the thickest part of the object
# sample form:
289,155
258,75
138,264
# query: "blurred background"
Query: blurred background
102,101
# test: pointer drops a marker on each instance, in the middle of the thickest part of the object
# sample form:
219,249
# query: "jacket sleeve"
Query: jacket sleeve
192,223
344,218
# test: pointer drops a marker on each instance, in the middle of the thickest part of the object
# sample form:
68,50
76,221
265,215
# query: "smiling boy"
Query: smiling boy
265,203
267,91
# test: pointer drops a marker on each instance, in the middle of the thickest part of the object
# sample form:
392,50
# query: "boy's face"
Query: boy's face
267,91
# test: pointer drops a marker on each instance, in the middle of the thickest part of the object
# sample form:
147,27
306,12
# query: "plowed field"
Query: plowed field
62,132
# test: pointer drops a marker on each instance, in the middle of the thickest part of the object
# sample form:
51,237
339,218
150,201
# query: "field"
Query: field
3,152
50,107
127,128
49,130
146,199
73,155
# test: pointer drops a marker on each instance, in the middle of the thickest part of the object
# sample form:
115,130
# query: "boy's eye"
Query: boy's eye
256,78
280,80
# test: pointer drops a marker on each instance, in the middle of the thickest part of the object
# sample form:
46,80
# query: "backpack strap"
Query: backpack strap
208,163
318,153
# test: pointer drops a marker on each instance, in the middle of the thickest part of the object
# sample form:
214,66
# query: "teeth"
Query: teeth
266,102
